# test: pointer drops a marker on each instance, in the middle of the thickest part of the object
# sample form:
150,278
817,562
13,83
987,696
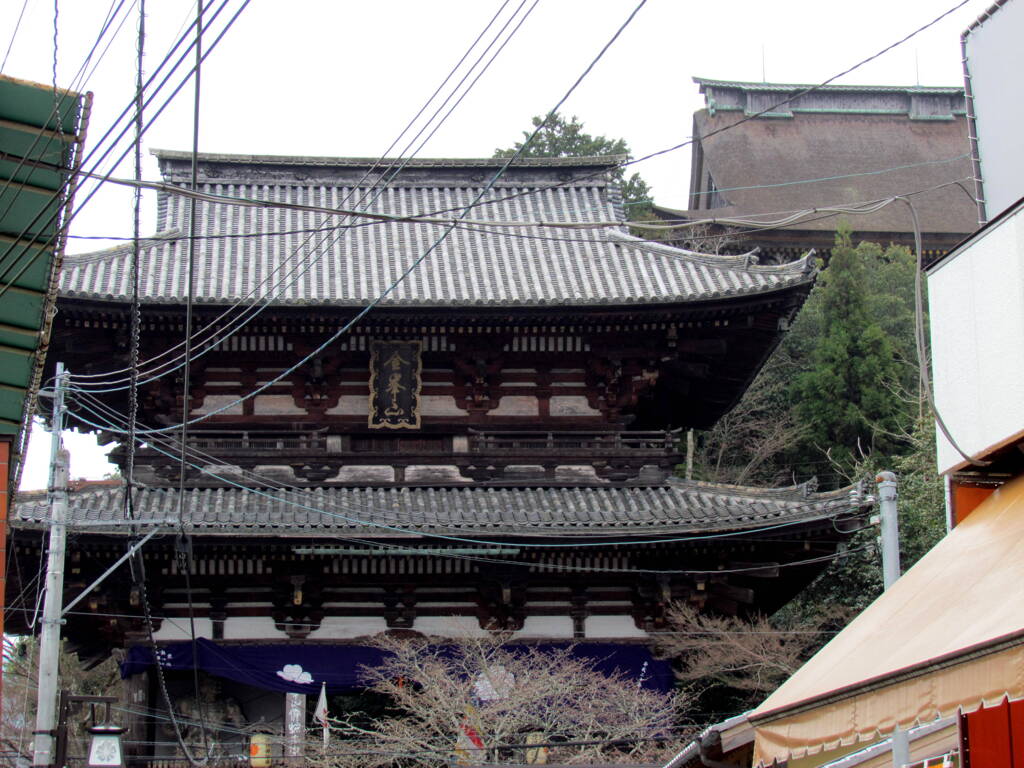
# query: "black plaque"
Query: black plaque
395,382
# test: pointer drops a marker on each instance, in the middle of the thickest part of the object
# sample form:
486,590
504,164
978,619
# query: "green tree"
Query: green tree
566,138
849,396
843,382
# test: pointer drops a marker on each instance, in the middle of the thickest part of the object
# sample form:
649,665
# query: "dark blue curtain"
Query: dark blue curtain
302,668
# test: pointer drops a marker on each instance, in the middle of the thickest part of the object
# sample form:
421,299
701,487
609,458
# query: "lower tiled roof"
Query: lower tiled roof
674,506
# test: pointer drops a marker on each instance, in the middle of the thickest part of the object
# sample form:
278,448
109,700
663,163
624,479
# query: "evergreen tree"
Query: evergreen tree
566,138
848,397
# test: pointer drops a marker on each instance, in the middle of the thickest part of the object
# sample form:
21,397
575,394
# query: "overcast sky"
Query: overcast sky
339,78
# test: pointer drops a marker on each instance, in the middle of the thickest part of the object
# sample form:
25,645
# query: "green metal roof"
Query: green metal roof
40,136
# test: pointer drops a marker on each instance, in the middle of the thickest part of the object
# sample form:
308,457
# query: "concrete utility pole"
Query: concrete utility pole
49,635
887,496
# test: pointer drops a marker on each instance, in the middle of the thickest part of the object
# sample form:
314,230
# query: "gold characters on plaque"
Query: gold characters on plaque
395,385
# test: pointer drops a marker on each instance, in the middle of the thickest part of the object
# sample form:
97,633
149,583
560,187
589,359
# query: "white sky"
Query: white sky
329,77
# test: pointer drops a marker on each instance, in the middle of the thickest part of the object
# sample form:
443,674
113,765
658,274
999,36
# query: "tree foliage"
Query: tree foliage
559,137
447,700
855,580
737,662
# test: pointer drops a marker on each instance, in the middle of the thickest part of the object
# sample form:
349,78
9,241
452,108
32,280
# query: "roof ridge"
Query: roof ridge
416,162
764,86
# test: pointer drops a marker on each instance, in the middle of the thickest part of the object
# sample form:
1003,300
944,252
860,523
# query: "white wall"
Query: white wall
976,304
180,629
995,60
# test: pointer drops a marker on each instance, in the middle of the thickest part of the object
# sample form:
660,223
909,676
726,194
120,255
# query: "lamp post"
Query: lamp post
105,738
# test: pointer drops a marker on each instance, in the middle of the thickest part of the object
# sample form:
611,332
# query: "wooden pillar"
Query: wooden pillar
294,728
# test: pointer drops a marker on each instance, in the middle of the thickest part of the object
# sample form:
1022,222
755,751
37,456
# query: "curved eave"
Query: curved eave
575,514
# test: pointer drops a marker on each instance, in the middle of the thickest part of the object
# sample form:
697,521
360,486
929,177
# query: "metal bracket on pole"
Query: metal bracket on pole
131,551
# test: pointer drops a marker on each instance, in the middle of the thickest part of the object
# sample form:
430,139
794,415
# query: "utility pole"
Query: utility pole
887,496
49,635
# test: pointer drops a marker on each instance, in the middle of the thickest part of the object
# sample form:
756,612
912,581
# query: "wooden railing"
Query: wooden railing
299,442
655,443
497,443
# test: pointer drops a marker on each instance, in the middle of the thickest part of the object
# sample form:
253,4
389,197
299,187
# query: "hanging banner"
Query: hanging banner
395,382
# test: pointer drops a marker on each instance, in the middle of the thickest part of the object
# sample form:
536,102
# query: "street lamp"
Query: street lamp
105,746
105,738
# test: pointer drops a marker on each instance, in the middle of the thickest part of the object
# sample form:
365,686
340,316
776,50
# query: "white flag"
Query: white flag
320,713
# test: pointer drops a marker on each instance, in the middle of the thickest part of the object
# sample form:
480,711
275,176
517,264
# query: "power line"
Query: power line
808,89
750,117
652,632
747,118
537,564
837,177
176,237
14,34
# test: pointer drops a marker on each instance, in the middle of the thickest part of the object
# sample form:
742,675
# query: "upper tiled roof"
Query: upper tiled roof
675,506
476,265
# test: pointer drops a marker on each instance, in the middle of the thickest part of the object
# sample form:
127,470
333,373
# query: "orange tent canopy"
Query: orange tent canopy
947,635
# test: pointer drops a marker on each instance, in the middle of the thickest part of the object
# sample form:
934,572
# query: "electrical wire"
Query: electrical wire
663,250
651,632
183,542
220,335
538,564
14,34
809,89
78,83
834,178
920,343
171,237
770,108
806,90
388,218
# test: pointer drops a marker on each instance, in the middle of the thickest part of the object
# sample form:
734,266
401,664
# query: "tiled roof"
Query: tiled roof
675,506
844,159
475,266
